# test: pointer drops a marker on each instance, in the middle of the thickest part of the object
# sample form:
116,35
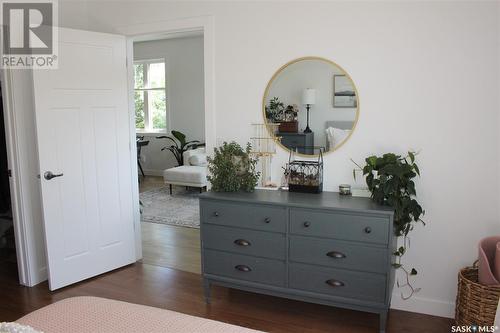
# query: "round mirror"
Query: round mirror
311,103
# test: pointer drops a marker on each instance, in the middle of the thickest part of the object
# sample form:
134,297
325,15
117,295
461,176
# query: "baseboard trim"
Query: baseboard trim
40,276
423,305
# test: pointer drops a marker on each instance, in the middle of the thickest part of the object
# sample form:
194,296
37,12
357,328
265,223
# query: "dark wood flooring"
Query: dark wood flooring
182,291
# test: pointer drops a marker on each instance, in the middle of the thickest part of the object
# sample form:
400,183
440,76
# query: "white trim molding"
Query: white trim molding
160,30
25,196
423,305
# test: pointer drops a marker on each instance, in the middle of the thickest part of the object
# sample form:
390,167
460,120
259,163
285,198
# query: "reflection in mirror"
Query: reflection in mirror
314,102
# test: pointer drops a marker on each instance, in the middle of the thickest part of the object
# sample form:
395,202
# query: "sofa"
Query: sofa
192,174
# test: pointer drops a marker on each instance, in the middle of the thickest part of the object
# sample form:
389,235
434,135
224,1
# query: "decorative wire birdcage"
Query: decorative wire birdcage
264,147
305,175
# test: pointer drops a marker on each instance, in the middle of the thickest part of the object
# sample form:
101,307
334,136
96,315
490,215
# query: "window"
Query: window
150,96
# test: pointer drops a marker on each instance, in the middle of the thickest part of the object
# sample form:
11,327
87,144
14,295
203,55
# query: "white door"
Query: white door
84,140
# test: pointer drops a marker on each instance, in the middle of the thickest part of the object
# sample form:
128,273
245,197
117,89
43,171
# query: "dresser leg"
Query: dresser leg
206,289
383,321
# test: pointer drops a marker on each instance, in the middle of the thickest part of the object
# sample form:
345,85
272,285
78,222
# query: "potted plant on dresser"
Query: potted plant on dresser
232,169
390,179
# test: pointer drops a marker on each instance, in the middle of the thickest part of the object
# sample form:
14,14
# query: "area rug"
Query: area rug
179,209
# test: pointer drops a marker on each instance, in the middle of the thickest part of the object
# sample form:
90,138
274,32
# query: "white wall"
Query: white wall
316,74
438,60
185,94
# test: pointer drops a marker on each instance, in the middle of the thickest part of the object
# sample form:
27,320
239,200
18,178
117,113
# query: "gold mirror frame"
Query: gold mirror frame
278,72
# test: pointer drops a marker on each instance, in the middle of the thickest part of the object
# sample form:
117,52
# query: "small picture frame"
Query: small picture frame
344,95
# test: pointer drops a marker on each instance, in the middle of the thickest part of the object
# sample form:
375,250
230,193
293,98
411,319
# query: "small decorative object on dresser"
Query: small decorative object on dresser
323,248
345,189
263,148
304,175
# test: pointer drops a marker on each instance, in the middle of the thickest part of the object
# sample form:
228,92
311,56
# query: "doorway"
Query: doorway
8,255
30,240
170,133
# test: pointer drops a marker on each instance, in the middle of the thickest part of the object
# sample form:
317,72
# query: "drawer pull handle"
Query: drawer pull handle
307,224
243,268
334,283
368,230
242,242
216,214
336,255
267,220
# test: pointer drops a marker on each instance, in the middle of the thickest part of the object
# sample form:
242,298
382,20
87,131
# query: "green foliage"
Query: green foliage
275,111
232,169
139,75
179,145
139,109
159,109
390,179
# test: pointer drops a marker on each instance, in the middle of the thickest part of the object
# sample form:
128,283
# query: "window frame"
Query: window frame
148,116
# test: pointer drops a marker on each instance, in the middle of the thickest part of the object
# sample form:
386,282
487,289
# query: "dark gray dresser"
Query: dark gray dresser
321,248
303,142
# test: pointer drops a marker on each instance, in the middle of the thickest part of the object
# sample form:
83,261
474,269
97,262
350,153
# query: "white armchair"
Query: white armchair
192,174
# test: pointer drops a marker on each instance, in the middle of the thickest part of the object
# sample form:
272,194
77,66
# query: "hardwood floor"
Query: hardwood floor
166,245
171,246
182,291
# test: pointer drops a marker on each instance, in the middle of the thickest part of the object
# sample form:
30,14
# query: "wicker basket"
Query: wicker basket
476,304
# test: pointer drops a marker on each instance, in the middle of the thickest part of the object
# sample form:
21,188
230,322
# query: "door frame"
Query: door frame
21,229
157,30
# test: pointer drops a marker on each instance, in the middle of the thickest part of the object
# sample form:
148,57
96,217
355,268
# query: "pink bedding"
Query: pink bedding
95,315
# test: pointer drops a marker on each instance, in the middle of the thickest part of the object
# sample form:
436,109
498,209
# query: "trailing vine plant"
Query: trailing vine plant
232,168
390,180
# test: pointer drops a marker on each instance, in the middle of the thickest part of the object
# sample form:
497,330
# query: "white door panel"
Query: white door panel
83,132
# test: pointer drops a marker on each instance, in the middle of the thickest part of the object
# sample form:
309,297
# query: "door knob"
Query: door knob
49,175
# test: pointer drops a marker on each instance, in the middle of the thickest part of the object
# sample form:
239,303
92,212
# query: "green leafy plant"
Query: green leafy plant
179,145
275,110
390,180
232,169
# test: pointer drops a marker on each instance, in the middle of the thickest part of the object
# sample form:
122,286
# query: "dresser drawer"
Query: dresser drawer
244,241
337,282
360,228
260,217
242,267
338,254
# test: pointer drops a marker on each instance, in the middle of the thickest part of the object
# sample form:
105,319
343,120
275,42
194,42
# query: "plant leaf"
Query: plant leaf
417,170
